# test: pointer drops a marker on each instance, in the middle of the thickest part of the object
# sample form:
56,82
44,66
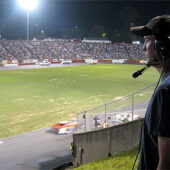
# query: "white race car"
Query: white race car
66,62
45,63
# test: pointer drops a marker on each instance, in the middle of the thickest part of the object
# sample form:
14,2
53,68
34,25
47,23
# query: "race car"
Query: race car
66,62
65,127
92,62
45,63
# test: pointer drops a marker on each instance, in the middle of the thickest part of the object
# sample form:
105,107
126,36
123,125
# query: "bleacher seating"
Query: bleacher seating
66,49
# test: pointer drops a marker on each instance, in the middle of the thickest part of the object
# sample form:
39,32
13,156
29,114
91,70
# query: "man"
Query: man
155,142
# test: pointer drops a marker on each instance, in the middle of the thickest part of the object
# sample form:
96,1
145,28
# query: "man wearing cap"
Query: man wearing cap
155,142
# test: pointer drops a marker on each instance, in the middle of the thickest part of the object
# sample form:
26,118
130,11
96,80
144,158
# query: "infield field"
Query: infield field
36,98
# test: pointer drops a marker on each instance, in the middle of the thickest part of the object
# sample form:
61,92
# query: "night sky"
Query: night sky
52,15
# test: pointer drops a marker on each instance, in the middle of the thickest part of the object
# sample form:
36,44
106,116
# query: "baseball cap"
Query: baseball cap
158,26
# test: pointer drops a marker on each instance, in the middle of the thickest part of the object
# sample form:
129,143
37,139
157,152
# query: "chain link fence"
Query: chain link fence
125,109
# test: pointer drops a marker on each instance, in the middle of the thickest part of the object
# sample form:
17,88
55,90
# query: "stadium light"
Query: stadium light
28,5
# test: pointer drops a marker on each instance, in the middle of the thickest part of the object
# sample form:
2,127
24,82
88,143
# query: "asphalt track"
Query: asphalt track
14,67
40,149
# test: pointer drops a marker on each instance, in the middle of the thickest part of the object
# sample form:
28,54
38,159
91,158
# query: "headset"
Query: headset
161,47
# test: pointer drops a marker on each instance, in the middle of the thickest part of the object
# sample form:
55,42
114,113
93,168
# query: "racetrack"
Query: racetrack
40,149
14,67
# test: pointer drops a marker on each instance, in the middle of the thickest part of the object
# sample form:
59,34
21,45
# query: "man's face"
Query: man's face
149,48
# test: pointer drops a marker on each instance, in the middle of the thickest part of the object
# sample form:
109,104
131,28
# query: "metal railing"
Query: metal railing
124,109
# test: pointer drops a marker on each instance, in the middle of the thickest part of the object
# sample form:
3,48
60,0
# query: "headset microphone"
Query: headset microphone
139,72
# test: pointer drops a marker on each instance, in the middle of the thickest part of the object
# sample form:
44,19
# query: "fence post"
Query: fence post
84,116
77,123
133,105
105,114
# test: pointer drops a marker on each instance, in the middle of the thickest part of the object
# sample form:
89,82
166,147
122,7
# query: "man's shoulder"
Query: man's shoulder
163,90
166,78
165,84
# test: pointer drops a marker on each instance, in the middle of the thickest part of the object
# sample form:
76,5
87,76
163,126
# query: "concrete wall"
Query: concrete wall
99,144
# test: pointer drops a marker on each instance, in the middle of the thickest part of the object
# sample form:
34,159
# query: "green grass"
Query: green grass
123,161
36,98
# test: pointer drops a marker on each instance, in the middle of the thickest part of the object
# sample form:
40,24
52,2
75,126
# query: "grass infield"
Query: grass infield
36,98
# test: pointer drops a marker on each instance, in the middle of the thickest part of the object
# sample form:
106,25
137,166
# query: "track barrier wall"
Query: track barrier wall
56,61
78,61
104,61
25,64
132,62
102,143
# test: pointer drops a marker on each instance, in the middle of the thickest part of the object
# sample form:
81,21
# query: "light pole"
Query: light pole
28,5
28,24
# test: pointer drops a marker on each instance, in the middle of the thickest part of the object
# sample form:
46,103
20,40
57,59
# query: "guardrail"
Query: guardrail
125,109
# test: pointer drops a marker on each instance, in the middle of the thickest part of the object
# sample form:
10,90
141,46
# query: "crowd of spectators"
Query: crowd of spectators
67,49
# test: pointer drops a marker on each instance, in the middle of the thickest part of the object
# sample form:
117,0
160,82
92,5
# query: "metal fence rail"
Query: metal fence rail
127,108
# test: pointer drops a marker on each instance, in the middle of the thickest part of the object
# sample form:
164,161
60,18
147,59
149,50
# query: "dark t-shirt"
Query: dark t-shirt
156,123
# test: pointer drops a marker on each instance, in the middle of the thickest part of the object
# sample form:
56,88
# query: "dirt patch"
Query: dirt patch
51,100
52,80
141,94
117,98
19,99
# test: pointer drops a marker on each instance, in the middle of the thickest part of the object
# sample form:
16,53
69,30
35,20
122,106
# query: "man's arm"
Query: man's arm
164,153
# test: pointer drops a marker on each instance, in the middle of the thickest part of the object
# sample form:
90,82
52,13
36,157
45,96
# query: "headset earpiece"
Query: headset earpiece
160,47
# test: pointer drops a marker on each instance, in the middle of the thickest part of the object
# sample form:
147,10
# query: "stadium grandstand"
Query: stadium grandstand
67,49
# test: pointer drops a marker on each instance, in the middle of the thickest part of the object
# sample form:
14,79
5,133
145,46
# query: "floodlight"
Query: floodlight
28,4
